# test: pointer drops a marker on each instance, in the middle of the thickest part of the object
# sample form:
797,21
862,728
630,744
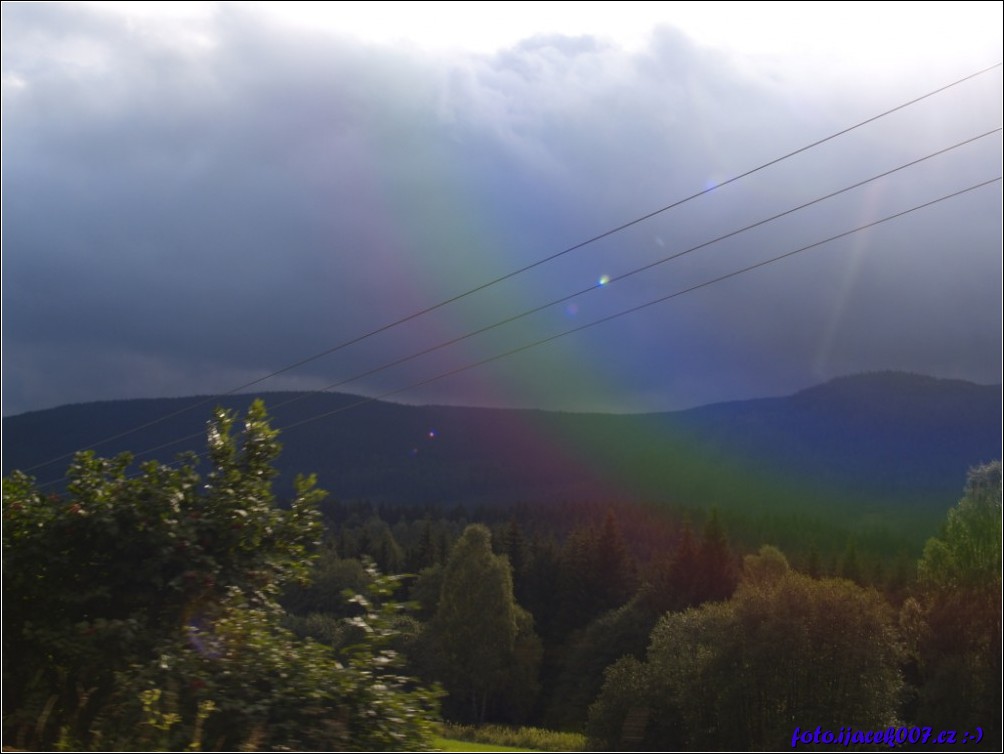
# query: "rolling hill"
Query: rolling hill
885,446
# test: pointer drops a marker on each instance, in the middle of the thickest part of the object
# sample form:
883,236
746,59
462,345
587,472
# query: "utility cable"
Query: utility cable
519,271
616,315
639,307
607,283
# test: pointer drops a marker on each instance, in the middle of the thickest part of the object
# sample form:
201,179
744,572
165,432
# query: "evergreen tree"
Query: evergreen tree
514,546
541,585
814,567
617,577
685,571
596,574
850,568
719,574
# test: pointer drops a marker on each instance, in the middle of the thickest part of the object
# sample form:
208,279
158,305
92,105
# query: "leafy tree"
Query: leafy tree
520,687
141,611
426,591
330,577
968,554
615,634
767,567
377,541
619,718
956,622
823,650
742,674
481,639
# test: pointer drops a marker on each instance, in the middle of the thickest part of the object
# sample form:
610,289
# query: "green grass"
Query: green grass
504,738
452,744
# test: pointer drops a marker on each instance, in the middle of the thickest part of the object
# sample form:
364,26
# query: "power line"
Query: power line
623,276
521,270
611,281
624,312
645,305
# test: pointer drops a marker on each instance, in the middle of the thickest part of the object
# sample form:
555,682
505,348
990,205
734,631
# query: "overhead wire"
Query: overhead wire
647,304
622,313
613,279
483,286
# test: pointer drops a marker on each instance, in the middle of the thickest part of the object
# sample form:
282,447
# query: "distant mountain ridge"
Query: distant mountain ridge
876,441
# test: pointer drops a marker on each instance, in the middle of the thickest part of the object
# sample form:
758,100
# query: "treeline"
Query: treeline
171,610
407,538
566,580
694,645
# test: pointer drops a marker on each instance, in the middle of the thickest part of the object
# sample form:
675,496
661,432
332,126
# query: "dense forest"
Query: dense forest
174,607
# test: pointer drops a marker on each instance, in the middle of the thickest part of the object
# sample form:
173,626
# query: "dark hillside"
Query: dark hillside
865,447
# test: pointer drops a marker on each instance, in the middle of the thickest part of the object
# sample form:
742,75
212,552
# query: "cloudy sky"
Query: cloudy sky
198,195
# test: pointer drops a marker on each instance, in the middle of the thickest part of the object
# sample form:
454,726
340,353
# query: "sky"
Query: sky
198,195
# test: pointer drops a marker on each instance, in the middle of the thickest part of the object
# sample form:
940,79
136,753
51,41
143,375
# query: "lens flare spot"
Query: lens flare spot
572,309
431,434
603,280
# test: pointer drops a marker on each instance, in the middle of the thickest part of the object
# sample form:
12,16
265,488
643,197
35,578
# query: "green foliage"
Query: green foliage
768,566
330,576
427,589
453,744
539,739
618,719
695,572
954,626
968,554
620,632
480,642
596,574
270,689
718,572
826,650
741,674
141,613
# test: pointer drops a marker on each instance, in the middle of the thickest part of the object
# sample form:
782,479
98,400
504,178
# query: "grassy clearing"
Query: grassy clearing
518,739
452,744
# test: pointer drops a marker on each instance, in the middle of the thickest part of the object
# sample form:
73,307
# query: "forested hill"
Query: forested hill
878,441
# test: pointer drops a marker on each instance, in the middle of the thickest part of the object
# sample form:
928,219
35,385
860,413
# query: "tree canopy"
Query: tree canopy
482,639
140,611
953,628
968,553
742,674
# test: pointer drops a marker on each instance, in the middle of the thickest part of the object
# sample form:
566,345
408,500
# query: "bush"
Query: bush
141,613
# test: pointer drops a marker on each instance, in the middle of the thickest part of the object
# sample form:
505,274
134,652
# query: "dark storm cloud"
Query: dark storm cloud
185,214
